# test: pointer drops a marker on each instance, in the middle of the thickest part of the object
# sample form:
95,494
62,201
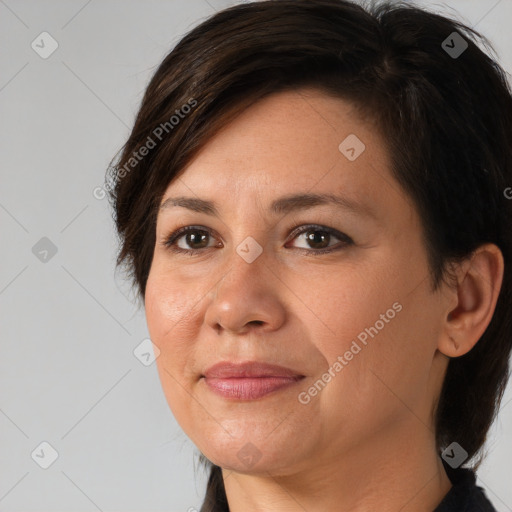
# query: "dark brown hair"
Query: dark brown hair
446,120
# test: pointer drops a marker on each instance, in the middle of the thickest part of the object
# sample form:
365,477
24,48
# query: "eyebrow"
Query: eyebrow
280,206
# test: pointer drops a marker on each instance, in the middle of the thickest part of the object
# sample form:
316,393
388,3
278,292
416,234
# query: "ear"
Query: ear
472,301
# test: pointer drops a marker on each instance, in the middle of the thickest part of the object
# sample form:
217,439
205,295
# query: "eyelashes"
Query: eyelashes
170,241
189,235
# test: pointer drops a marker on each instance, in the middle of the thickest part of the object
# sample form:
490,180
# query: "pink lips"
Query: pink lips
248,381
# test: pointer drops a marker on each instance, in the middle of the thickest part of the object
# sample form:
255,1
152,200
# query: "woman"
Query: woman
314,205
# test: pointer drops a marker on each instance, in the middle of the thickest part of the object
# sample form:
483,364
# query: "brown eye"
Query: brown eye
192,240
319,237
188,240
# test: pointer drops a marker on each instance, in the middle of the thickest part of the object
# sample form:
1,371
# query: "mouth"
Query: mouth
250,380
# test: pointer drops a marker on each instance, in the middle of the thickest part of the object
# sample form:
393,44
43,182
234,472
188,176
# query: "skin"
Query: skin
366,440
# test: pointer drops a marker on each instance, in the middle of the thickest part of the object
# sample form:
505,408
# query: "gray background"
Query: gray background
69,324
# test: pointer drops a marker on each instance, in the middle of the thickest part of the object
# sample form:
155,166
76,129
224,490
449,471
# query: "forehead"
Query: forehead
290,144
293,141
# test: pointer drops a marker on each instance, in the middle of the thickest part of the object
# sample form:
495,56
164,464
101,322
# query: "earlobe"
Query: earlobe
479,280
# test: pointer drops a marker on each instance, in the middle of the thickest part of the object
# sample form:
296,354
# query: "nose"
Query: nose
248,298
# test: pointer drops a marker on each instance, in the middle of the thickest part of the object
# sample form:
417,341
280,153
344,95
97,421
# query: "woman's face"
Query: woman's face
359,324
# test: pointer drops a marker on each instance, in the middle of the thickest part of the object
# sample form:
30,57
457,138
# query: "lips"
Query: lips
250,380
227,370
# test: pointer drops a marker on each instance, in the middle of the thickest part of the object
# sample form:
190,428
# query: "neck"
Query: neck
393,471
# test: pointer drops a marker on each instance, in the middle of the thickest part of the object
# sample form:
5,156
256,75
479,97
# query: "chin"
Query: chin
251,454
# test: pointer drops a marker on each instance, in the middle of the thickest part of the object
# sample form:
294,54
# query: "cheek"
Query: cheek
168,303
173,321
350,305
383,334
378,380
170,319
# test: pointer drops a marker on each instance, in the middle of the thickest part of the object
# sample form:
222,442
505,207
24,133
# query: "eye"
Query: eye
318,238
193,236
192,239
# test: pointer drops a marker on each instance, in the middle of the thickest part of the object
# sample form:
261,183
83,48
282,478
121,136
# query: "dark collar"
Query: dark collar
465,495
